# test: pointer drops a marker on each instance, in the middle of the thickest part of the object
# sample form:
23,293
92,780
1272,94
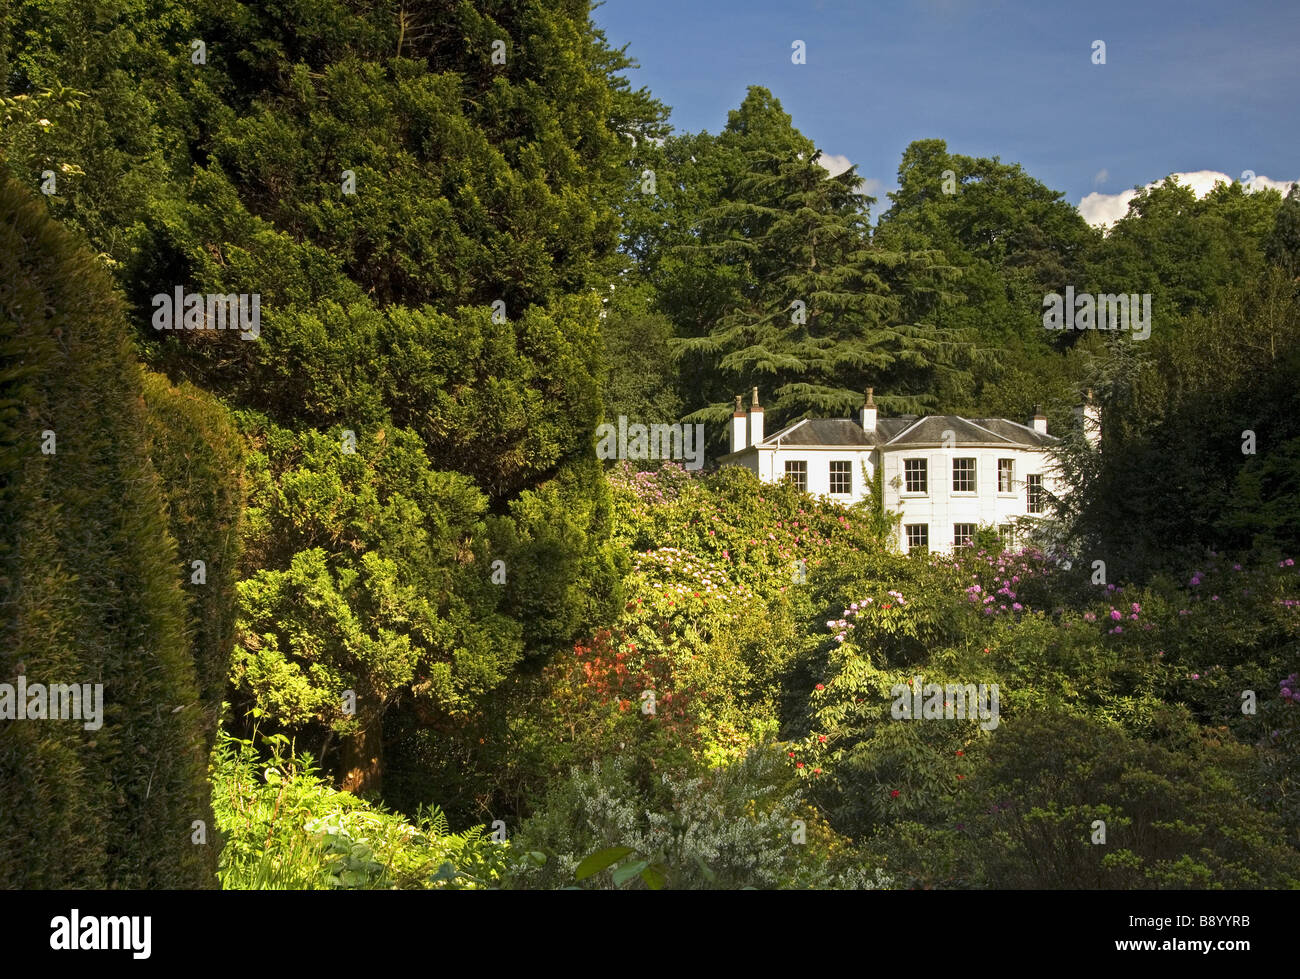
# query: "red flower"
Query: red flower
820,687
961,753
821,738
798,764
792,754
961,776
817,771
894,794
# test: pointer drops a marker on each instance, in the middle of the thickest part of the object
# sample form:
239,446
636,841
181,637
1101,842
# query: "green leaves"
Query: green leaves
651,874
601,859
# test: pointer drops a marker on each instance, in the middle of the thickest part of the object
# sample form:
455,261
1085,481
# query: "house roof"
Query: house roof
904,431
1015,432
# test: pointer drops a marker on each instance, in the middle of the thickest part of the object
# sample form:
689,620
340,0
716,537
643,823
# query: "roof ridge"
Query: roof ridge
785,431
908,429
971,421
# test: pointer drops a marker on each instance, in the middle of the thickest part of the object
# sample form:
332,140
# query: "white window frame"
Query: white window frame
846,473
974,481
1010,484
922,467
924,533
1034,481
800,470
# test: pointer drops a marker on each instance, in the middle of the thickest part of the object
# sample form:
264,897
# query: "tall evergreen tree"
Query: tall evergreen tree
783,288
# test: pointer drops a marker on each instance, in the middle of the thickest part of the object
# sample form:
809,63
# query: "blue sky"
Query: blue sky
1187,86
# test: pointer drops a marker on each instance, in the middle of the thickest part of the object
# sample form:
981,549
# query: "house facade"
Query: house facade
945,474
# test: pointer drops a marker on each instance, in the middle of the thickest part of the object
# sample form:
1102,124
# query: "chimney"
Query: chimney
869,413
755,421
1088,417
738,427
1039,421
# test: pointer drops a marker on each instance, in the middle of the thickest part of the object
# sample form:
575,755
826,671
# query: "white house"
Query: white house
945,474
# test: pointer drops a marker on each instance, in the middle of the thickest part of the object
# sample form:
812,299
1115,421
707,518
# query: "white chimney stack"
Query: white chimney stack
1088,415
755,421
738,425
1039,420
869,413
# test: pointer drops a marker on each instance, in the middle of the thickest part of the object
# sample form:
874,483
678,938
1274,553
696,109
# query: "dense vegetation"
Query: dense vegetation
368,570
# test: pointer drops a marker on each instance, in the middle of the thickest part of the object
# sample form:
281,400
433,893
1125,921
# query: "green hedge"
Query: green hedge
91,588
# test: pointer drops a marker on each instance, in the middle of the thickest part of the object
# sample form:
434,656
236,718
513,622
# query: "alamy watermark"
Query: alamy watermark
937,701
53,702
641,442
195,311
73,932
1105,311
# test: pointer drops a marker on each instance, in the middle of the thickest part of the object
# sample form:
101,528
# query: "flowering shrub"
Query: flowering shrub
767,535
751,610
729,828
1007,583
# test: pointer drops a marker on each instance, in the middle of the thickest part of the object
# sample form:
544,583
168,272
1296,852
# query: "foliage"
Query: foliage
729,828
90,582
287,829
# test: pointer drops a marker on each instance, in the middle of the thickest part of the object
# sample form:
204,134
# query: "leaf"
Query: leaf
601,859
654,877
629,870
446,872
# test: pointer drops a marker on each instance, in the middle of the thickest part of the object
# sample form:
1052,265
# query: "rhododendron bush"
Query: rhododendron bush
762,643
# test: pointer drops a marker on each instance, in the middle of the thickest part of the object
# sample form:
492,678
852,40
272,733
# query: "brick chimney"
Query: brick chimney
869,413
738,427
755,421
1039,421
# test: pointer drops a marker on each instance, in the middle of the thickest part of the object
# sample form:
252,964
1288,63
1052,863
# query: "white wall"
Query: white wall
771,468
939,507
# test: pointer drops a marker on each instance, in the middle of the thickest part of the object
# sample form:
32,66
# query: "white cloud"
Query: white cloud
834,164
1103,210
872,187
1102,176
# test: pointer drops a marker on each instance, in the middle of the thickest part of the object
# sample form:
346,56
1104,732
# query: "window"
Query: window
963,534
1008,534
963,475
915,476
1006,473
797,473
918,538
1037,497
842,477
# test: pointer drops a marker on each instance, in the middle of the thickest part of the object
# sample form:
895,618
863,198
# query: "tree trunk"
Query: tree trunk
363,759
